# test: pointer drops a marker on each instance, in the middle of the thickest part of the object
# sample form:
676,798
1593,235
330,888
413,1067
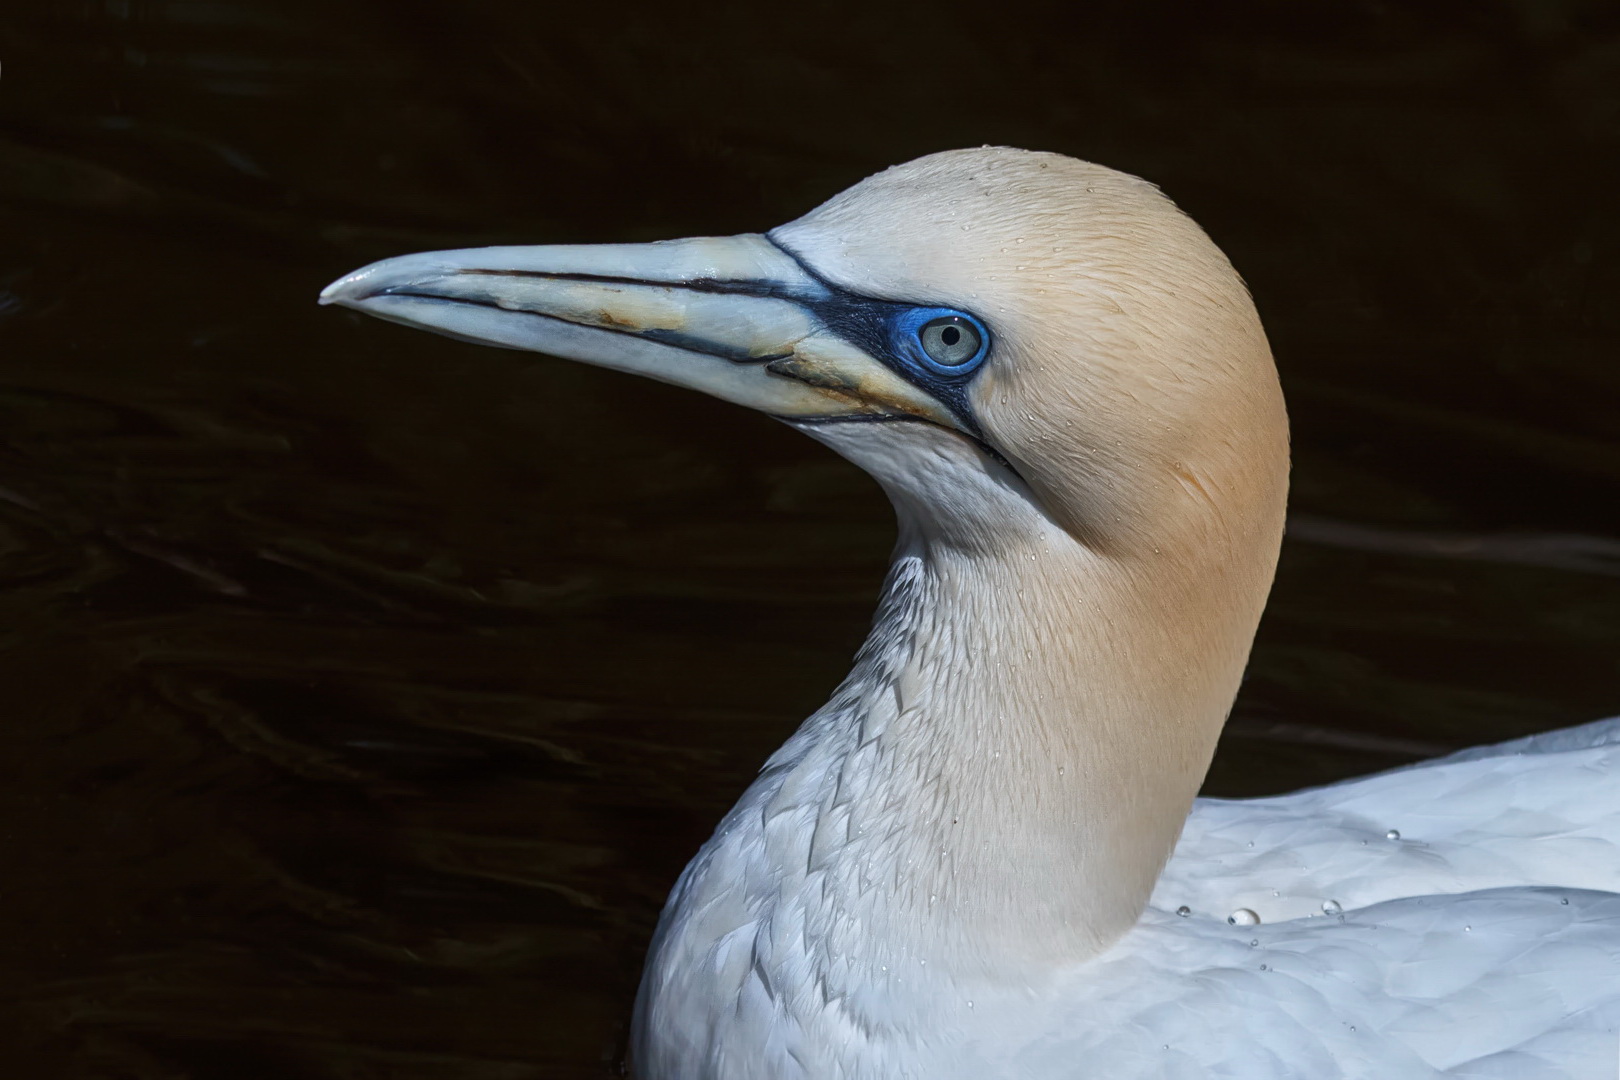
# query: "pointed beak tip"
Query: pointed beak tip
343,290
376,279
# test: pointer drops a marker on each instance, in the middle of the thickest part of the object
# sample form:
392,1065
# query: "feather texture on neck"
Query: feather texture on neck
988,797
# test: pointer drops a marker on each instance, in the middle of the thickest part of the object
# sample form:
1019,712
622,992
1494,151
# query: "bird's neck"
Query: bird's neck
1001,778
990,793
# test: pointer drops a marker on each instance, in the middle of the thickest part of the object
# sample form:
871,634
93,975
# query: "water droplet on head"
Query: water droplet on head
1393,834
1184,911
1243,917
1331,907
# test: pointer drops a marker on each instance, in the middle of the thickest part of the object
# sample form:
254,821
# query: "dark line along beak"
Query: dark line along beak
732,316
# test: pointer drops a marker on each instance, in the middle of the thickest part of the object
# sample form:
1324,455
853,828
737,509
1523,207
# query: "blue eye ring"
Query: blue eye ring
913,324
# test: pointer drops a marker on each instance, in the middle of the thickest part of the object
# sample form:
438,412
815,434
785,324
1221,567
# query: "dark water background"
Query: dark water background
364,692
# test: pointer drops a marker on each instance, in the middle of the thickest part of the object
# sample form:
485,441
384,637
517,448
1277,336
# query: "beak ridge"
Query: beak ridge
734,317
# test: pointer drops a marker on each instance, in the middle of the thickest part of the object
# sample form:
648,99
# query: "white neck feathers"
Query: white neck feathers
992,791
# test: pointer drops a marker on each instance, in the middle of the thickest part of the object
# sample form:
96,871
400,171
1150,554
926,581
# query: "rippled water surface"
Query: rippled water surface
365,691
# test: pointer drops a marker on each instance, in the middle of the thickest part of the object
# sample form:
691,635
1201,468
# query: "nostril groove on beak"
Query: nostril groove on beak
764,290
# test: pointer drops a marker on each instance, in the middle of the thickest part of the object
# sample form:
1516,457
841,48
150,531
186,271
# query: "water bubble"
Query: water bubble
1468,929
1262,967
1254,943
1185,911
1243,917
1393,834
1331,907
1565,901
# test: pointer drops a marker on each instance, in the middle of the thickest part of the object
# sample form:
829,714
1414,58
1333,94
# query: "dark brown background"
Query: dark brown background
363,692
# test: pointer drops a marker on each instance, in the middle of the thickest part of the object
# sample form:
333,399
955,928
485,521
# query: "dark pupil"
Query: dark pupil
950,335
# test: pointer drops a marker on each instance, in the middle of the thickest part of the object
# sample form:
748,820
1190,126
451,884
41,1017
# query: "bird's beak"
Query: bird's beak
734,317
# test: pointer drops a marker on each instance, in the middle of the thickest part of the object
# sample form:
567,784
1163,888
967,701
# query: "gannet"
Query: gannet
983,858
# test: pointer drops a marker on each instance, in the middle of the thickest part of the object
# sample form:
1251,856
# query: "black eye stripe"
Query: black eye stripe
867,323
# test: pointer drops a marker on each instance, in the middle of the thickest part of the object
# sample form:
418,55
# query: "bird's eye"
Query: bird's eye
950,341
941,340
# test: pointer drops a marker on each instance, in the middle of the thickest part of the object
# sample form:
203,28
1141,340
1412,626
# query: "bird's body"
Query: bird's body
953,870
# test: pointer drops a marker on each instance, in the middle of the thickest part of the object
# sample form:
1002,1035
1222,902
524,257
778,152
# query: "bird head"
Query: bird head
992,333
